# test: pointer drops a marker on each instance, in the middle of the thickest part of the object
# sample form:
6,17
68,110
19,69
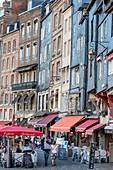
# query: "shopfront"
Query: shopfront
66,127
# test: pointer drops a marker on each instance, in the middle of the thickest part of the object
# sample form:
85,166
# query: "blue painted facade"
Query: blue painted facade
46,23
79,53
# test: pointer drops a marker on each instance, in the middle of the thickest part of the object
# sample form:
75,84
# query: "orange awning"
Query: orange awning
66,123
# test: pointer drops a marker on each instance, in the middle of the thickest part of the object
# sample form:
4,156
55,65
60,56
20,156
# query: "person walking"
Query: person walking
54,152
47,149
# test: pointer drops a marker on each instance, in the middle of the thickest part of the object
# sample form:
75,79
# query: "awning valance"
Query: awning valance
91,130
46,120
34,121
88,123
65,124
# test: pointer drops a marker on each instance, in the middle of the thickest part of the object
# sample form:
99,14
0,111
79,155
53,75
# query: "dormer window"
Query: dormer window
8,28
29,5
47,9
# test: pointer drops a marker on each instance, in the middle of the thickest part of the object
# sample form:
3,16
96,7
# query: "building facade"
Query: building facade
45,58
25,88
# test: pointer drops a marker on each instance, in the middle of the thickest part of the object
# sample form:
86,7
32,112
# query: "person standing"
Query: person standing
47,149
54,152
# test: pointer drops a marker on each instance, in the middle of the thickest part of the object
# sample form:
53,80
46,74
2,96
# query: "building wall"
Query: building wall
9,62
66,54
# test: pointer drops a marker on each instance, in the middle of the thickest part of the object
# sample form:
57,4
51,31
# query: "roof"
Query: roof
65,124
88,123
92,129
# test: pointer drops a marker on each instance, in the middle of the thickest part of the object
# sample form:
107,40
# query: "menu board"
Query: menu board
62,154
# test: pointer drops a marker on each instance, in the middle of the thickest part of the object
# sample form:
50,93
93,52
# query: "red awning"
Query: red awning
92,129
65,124
45,120
5,123
34,121
88,123
109,57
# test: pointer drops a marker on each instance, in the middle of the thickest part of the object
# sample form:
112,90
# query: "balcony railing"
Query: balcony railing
25,85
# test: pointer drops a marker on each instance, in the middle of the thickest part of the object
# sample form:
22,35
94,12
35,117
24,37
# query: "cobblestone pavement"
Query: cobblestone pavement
66,165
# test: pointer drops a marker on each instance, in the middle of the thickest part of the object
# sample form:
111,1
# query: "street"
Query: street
66,165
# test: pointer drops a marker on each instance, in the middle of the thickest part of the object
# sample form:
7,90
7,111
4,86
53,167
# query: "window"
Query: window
103,32
43,76
53,70
73,54
39,78
9,47
55,21
110,67
0,114
3,65
4,48
60,17
90,67
77,76
10,114
78,18
28,52
29,5
74,29
34,52
57,68
92,30
42,33
100,69
13,62
59,43
35,26
28,29
34,75
14,45
6,98
63,75
47,102
45,53
7,81
73,77
69,23
66,25
69,47
21,53
67,74
49,27
2,83
22,31
112,26
78,45
65,49
54,46
8,64
12,79
43,101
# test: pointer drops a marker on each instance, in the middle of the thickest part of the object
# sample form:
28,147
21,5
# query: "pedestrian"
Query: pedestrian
47,149
18,150
74,152
54,152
